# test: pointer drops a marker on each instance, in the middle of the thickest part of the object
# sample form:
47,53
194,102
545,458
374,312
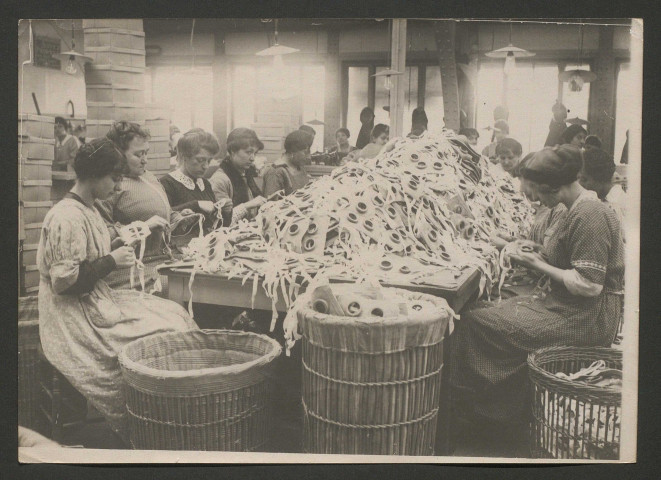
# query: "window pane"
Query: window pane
489,96
243,96
576,102
434,98
313,89
187,93
358,77
628,95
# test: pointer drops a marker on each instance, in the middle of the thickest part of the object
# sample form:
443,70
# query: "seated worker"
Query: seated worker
310,131
343,147
234,179
501,130
379,136
592,141
597,175
574,135
471,135
288,173
185,187
419,122
66,146
557,126
508,152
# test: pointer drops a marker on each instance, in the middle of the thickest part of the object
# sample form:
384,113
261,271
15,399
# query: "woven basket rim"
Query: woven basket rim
544,375
201,373
399,320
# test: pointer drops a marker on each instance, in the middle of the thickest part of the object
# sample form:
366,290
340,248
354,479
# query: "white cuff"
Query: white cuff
577,284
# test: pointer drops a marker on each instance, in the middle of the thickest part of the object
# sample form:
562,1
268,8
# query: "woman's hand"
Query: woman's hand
206,206
530,260
256,202
498,241
157,223
124,257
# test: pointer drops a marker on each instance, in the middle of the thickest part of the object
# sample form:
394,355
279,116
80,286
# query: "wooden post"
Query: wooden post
398,62
445,33
602,91
221,79
333,97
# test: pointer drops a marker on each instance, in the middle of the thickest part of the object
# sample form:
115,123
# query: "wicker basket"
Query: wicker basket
570,419
372,385
28,362
199,390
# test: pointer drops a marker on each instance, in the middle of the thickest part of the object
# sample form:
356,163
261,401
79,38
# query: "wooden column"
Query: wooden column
332,96
445,40
221,80
398,62
602,91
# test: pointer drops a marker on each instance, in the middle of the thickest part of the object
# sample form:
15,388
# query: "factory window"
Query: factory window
627,97
186,92
531,92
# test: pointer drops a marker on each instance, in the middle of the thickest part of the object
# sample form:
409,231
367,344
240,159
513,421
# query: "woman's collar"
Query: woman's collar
187,181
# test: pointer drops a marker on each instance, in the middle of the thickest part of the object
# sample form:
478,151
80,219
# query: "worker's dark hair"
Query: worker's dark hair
343,130
598,164
553,167
503,126
98,158
61,121
419,117
509,144
122,133
195,140
296,141
308,129
469,132
571,131
366,115
378,129
242,138
592,141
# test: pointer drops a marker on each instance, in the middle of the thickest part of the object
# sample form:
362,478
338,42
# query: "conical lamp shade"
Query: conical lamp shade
276,50
510,49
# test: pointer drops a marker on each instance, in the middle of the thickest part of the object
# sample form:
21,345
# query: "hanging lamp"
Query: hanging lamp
389,72
578,77
276,49
510,53
72,56
282,89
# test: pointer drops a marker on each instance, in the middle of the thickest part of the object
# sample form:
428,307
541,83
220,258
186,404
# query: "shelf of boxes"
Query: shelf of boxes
38,126
114,37
158,162
158,127
118,23
117,56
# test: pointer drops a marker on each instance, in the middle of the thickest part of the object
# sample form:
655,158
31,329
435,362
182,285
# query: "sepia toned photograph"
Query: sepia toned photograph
319,240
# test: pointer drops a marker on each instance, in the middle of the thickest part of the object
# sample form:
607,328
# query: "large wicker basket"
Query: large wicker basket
199,390
28,362
372,385
571,419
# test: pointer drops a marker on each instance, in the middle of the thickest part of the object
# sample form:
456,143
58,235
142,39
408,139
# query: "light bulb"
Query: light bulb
576,83
71,66
510,64
387,83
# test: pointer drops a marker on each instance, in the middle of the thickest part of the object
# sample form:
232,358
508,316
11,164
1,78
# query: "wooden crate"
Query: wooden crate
35,169
275,144
31,233
114,75
39,126
34,212
98,128
159,145
124,57
114,37
158,162
115,94
30,276
123,23
34,148
117,111
35,190
30,254
158,127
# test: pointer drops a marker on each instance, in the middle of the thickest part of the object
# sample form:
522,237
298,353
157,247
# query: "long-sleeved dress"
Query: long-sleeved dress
184,193
490,345
82,334
140,199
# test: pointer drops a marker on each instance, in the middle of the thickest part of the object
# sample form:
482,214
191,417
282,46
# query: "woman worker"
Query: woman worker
379,137
574,135
288,174
501,130
367,124
83,323
141,198
234,180
187,190
585,263
342,147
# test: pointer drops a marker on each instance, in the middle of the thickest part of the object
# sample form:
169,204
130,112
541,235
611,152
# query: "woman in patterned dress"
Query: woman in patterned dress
585,263
142,198
83,323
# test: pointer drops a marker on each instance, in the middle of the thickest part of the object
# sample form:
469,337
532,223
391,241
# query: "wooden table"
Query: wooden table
217,289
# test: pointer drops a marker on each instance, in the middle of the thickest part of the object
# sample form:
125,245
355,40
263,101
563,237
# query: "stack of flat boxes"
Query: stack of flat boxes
36,145
158,124
275,120
115,78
